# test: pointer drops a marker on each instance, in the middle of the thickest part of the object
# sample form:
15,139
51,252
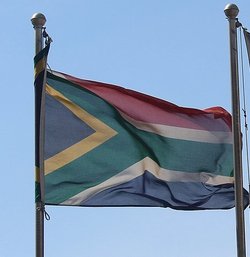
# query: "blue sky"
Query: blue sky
174,50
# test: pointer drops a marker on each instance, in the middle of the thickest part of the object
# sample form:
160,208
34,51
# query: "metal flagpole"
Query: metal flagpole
231,11
38,20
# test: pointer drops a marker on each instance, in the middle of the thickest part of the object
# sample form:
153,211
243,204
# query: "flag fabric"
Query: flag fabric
105,145
40,63
247,40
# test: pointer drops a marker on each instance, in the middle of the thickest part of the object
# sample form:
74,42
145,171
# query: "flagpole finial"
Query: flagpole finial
231,11
38,20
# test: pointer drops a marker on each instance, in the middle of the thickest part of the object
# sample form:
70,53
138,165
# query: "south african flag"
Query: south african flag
104,145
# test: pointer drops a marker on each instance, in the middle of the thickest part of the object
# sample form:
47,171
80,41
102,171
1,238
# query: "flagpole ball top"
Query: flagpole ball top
231,11
38,20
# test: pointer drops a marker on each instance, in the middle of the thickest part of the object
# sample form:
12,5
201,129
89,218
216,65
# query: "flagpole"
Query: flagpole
38,20
231,11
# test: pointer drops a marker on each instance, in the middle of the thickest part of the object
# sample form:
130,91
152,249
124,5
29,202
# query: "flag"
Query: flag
105,145
247,40
40,63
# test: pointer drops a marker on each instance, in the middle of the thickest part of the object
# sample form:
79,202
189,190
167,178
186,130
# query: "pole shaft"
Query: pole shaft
39,229
237,143
38,20
38,39
39,205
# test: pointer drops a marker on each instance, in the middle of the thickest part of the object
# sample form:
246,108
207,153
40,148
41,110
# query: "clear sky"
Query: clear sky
174,50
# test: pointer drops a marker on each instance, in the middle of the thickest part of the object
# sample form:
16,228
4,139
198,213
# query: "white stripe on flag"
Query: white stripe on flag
216,137
137,169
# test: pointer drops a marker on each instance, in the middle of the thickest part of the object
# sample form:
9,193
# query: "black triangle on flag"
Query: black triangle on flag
62,128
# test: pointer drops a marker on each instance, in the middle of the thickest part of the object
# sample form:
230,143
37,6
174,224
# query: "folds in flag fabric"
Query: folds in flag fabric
105,145
40,62
247,40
